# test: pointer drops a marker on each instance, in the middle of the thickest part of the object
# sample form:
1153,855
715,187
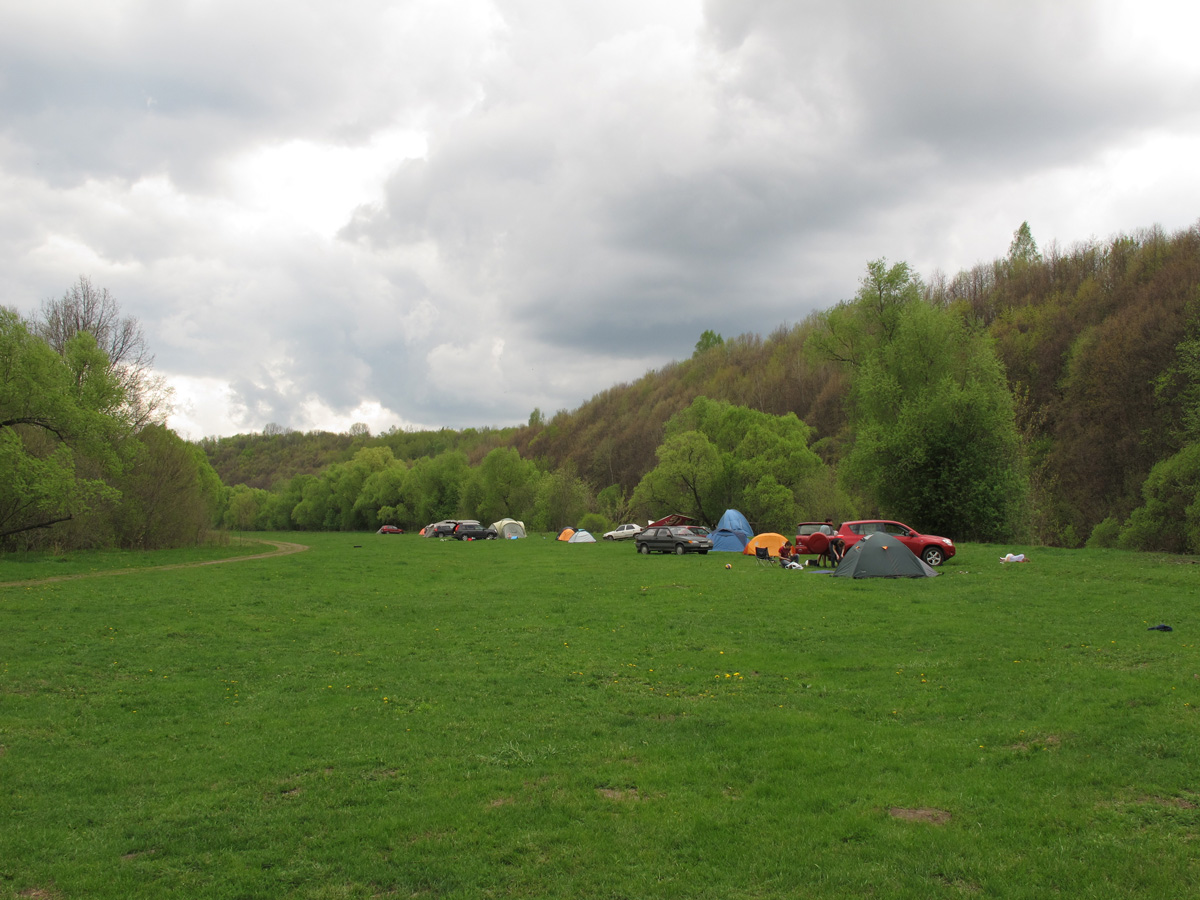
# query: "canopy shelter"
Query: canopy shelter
882,556
509,528
672,519
769,539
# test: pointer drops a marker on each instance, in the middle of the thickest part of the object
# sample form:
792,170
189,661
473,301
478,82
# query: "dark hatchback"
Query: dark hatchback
473,531
678,539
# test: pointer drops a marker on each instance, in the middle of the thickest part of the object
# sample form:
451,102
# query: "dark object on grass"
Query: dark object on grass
1160,628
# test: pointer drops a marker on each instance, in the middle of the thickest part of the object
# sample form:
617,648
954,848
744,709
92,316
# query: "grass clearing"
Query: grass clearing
410,717
84,563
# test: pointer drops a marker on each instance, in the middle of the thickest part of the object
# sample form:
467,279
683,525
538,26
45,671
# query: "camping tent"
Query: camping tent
581,537
882,556
731,532
566,534
769,539
509,528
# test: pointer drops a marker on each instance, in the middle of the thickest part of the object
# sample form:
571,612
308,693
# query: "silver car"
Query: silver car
623,533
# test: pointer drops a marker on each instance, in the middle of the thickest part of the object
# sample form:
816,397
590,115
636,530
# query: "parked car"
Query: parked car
933,549
473,531
812,538
389,529
623,533
672,539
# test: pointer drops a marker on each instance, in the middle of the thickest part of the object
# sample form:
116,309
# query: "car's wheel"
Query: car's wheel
644,548
609,537
679,551
933,556
703,552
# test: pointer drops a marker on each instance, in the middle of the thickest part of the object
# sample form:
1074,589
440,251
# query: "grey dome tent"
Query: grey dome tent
732,532
882,556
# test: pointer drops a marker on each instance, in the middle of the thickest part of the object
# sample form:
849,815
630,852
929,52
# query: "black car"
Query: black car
473,531
678,539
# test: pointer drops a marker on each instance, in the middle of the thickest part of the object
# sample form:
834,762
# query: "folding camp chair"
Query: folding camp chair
763,556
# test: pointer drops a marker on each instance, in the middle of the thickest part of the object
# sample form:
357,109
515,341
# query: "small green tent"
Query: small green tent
882,556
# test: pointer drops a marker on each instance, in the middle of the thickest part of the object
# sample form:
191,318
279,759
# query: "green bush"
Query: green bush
1105,535
1170,518
596,524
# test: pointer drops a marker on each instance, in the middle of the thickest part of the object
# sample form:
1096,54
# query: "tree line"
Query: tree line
86,458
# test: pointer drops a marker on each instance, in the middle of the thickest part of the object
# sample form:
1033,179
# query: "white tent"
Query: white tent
581,537
509,528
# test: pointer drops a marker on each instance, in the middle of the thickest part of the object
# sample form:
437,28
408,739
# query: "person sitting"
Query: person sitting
787,556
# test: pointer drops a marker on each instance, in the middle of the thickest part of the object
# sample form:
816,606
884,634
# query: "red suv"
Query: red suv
931,548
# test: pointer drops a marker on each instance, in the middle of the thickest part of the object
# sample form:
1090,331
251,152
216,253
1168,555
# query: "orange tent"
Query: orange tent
769,539
565,534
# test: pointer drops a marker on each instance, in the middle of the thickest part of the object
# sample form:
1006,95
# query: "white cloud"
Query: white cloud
305,184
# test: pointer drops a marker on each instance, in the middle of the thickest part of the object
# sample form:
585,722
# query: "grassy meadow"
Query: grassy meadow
389,716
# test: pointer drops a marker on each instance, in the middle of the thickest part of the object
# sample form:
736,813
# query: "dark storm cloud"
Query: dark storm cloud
995,83
177,89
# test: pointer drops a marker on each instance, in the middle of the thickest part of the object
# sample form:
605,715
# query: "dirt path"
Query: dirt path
282,548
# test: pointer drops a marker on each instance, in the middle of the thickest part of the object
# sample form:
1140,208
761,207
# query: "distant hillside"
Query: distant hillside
271,459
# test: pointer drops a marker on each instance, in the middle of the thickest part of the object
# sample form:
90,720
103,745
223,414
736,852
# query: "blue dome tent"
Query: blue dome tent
732,532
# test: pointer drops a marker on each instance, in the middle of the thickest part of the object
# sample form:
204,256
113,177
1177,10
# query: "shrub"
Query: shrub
596,524
1105,534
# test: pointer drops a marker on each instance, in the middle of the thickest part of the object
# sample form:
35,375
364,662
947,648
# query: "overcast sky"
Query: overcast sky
419,213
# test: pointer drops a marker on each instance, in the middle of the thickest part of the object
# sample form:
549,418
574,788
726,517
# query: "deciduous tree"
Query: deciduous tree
56,436
718,455
935,436
145,397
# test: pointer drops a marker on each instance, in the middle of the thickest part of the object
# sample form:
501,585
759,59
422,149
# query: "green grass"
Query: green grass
46,564
412,717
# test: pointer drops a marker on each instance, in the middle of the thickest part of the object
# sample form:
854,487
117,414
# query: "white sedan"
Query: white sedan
625,531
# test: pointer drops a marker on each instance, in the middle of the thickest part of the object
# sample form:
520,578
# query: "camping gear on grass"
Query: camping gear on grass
581,537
